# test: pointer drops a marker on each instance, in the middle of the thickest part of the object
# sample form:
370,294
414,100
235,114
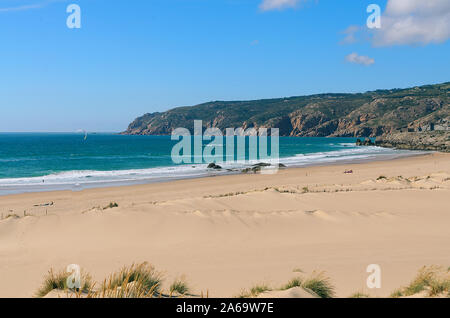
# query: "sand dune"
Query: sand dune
227,233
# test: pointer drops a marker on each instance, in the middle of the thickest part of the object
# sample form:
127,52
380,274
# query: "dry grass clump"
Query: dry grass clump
359,294
58,280
317,283
179,286
295,282
259,289
143,281
136,281
254,291
128,289
433,280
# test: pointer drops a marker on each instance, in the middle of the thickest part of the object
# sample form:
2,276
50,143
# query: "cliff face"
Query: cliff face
345,115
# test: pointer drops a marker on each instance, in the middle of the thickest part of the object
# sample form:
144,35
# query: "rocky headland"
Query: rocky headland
369,114
430,140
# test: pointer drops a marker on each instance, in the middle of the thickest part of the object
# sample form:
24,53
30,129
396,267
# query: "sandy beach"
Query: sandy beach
227,233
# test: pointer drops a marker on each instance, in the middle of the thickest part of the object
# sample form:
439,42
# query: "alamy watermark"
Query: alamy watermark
74,279
374,19
374,279
74,19
191,149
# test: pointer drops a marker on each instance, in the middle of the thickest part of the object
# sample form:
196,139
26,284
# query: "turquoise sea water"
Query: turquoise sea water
47,161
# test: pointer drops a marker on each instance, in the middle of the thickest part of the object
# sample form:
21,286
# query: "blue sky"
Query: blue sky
133,57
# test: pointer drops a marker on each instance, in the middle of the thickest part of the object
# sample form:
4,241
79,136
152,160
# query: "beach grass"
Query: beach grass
359,294
179,286
143,281
254,291
259,289
432,280
58,280
320,284
135,281
295,282
317,283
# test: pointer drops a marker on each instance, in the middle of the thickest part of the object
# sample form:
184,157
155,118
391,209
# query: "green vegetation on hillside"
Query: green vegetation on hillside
347,115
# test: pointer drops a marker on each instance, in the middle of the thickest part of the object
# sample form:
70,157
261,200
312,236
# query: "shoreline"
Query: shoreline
15,189
249,228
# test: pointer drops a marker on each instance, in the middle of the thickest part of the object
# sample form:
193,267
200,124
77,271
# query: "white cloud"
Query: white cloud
414,22
401,7
350,34
25,7
359,59
268,5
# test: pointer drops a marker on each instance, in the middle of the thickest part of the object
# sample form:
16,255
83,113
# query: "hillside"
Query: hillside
346,115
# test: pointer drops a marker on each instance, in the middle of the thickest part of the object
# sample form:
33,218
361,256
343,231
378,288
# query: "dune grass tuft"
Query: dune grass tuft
295,282
254,291
359,295
320,284
58,280
317,283
434,280
259,289
396,293
179,286
136,281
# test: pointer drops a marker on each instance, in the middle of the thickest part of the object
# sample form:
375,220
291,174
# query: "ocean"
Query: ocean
31,162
